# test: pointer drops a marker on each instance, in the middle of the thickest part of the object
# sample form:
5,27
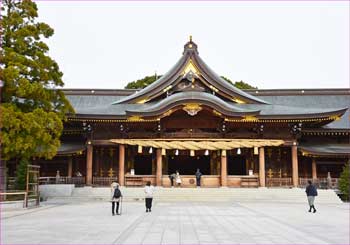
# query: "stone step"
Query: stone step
295,195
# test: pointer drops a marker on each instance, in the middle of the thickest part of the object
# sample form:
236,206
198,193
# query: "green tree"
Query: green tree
32,108
344,181
240,84
144,82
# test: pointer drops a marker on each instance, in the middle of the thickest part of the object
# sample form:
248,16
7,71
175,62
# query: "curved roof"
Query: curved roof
192,81
96,106
193,97
191,60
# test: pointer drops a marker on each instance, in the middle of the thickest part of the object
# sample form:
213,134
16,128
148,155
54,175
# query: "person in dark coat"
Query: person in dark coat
172,178
198,177
311,193
115,198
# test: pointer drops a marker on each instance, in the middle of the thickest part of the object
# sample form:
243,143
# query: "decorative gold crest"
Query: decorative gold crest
192,109
190,67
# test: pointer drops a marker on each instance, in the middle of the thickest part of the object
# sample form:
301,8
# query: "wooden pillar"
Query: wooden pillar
70,166
159,167
295,175
97,163
314,171
262,166
121,164
223,170
247,165
89,164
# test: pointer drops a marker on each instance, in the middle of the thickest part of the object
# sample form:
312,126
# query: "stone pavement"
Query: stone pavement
59,222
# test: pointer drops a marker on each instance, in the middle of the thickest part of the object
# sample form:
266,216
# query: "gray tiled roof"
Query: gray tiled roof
323,102
70,147
327,149
87,102
280,105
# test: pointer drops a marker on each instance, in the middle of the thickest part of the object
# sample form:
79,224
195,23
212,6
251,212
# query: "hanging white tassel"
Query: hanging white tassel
192,153
223,153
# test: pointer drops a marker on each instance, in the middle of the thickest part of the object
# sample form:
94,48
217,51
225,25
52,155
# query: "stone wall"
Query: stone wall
56,190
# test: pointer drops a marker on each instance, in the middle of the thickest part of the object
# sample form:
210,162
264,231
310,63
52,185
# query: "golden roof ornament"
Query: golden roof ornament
190,38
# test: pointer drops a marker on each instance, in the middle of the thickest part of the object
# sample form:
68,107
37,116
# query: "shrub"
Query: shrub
344,182
21,174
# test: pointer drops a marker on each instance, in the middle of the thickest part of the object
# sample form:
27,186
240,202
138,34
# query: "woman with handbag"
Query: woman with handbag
178,178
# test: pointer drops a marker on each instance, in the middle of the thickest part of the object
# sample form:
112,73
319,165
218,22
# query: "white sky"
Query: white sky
267,44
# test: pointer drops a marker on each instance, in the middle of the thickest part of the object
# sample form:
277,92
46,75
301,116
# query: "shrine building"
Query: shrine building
192,118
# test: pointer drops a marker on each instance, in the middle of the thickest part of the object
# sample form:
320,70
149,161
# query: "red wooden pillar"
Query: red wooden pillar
314,169
70,166
223,169
121,164
295,175
159,167
89,164
262,166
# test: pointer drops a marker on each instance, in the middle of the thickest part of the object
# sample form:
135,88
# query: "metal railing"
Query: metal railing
321,183
279,182
62,180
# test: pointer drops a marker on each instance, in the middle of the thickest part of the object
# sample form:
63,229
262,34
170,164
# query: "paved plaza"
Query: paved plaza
59,222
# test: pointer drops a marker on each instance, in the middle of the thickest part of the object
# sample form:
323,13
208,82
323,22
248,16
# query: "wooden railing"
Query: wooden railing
62,180
249,181
321,183
134,180
103,181
278,182
25,196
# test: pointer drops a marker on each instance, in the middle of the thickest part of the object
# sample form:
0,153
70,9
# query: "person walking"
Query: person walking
172,178
311,193
58,177
178,178
115,198
198,178
149,190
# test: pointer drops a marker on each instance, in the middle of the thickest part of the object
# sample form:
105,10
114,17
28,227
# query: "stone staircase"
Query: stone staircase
294,195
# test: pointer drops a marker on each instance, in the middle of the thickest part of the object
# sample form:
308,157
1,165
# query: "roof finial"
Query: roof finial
190,38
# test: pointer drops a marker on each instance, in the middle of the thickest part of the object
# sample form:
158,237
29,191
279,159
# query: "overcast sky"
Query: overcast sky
267,44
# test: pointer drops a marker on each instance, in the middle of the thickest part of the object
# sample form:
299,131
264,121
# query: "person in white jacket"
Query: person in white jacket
149,190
